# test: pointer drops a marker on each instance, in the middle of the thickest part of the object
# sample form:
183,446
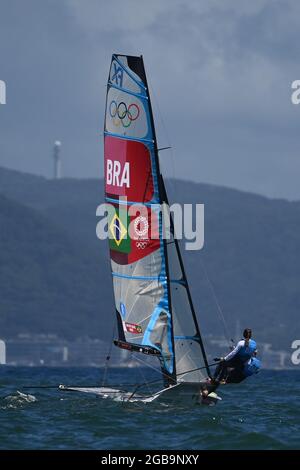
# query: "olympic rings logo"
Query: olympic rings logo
121,114
141,245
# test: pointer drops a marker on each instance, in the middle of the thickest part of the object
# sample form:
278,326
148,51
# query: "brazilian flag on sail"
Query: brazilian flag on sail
118,229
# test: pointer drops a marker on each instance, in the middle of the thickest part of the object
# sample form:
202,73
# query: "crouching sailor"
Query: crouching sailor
236,359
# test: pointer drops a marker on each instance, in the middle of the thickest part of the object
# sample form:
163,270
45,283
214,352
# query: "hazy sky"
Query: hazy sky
220,73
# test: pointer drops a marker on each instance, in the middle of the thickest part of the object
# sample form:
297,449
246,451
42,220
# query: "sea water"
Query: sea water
260,413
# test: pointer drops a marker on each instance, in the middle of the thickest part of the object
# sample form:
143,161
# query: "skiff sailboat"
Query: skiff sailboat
153,304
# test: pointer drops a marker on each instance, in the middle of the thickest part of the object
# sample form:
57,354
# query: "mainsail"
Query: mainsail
154,309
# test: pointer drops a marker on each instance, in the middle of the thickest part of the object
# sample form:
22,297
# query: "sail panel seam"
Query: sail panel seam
194,338
149,278
128,203
129,92
127,137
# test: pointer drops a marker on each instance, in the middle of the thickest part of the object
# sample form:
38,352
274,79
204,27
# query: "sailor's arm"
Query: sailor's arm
235,351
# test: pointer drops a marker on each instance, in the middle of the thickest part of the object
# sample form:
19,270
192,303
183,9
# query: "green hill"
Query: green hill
49,283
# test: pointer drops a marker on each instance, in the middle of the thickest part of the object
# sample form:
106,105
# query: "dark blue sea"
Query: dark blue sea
262,413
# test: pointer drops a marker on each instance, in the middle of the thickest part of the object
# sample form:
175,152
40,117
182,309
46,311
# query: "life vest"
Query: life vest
252,367
246,352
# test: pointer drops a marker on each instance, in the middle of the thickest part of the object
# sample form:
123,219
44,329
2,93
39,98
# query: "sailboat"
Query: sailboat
154,310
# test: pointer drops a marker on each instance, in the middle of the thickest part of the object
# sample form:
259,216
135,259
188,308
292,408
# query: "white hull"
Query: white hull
183,392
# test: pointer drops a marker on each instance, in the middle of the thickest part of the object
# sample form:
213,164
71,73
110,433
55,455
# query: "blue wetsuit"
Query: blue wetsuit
236,359
251,367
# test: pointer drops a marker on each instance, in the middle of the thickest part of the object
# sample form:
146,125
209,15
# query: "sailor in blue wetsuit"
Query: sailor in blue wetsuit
251,367
236,359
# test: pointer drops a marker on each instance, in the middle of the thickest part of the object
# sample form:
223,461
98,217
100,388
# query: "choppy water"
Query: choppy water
262,413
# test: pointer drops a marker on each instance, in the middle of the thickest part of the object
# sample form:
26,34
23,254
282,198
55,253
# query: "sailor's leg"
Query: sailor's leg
234,371
224,372
219,370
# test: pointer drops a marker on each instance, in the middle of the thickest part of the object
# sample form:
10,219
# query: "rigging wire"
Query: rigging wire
140,369
145,383
219,308
165,131
148,365
158,380
108,356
